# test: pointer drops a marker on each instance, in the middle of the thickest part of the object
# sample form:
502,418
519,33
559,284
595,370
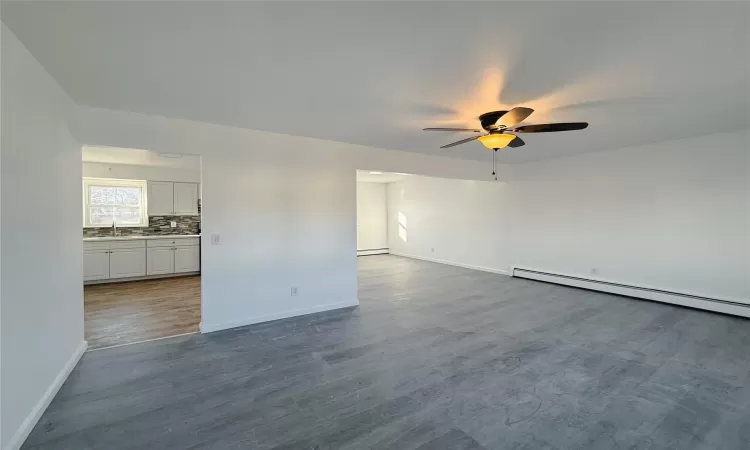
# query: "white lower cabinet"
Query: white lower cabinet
104,260
160,261
95,265
171,255
186,259
127,262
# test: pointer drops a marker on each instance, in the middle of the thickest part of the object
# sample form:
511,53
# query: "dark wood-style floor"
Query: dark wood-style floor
123,313
436,357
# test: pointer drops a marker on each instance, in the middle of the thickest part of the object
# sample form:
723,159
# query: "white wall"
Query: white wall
454,221
41,259
285,208
138,172
372,214
673,216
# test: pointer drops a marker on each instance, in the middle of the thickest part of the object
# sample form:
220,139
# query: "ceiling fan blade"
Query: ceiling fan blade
517,142
549,127
462,141
452,129
514,117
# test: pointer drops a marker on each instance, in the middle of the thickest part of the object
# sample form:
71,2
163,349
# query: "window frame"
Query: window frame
114,182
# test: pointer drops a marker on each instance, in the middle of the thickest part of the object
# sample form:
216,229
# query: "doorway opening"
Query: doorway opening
141,245
374,224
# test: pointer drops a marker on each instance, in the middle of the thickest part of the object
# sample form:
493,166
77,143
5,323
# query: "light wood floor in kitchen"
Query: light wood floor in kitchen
123,313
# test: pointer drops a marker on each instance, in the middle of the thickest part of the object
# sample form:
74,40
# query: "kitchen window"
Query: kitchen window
119,202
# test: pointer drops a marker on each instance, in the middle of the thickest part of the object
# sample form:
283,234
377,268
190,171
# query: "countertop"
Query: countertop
130,238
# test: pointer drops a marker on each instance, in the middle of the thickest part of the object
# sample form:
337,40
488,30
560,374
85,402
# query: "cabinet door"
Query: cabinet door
187,259
96,265
160,198
186,198
127,263
159,260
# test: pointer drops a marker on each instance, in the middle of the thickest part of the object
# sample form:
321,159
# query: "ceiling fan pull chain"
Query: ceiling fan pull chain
494,166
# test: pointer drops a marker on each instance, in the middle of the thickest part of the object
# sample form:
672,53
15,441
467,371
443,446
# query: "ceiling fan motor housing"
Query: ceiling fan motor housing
488,119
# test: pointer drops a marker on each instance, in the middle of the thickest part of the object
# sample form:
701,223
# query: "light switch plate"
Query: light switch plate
215,239
172,224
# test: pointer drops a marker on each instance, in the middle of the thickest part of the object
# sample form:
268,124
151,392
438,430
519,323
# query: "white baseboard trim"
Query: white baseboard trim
143,341
211,327
31,420
451,263
734,307
376,251
147,277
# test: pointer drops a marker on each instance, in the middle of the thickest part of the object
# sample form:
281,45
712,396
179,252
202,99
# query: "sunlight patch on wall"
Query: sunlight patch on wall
402,233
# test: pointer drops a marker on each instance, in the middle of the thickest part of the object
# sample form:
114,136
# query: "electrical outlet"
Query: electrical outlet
294,291
594,271
432,249
172,224
215,239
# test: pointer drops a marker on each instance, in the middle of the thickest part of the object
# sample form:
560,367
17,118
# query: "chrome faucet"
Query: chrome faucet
114,227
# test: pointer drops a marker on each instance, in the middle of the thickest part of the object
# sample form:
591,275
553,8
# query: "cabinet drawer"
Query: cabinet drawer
187,242
135,243
168,242
89,247
172,242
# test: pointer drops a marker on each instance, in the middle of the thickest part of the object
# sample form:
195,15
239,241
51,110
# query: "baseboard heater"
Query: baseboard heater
373,251
659,295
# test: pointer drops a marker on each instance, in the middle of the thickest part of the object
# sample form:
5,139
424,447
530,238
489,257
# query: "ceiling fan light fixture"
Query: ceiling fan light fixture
497,140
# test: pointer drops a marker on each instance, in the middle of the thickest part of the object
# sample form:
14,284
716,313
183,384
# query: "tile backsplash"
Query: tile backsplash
157,226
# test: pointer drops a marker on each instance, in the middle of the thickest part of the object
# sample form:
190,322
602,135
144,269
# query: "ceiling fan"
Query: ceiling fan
499,126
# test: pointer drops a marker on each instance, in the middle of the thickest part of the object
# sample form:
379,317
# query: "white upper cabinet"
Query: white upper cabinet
186,198
166,198
160,198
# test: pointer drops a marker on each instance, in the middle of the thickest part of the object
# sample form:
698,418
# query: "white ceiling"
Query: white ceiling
380,177
131,156
376,73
